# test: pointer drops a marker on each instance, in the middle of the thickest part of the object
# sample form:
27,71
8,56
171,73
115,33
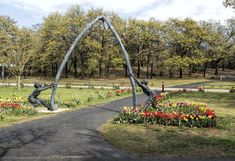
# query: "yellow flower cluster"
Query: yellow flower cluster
198,104
19,99
202,117
202,109
126,109
163,94
15,99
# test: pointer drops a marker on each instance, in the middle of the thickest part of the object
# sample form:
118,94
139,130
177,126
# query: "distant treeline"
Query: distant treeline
175,46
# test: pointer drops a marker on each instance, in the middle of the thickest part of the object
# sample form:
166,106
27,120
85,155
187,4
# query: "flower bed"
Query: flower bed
10,105
15,106
192,114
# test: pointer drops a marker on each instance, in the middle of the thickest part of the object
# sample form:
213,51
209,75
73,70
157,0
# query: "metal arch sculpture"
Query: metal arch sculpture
67,55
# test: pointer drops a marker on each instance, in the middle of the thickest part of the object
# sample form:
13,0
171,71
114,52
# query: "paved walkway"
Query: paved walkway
71,136
193,85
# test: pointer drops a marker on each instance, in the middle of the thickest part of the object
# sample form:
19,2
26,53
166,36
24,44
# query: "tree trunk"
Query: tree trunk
148,63
125,69
66,70
138,69
170,74
204,70
70,66
181,73
151,71
25,74
44,71
217,67
56,68
229,64
3,72
223,65
29,72
194,69
108,67
190,70
18,82
100,68
52,69
75,67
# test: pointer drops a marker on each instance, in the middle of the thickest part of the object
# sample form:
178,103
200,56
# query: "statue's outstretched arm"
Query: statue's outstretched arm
137,82
45,87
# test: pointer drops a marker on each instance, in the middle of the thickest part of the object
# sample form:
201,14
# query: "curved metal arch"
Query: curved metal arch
67,55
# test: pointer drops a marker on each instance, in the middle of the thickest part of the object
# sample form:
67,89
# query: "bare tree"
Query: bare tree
18,50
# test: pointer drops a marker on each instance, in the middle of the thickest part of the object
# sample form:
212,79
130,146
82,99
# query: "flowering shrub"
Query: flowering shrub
192,114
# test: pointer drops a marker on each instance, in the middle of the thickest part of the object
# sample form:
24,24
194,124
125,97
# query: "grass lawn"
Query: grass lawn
114,81
65,97
181,141
220,85
62,94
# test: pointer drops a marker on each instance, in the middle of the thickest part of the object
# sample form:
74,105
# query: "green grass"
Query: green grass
181,141
64,96
12,119
220,85
114,81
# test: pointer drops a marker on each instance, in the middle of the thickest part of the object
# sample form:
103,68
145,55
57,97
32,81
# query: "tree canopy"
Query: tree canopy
154,47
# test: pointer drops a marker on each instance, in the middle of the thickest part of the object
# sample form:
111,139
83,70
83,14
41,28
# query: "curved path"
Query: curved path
194,85
67,136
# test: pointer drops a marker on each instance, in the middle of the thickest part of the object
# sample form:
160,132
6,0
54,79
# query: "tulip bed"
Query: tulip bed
15,106
191,114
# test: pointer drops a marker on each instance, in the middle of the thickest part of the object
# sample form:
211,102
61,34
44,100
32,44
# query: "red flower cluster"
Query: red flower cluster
158,97
122,91
191,114
118,92
10,105
210,113
163,115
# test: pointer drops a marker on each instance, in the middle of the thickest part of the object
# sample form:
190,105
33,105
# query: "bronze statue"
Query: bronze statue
107,24
33,98
150,93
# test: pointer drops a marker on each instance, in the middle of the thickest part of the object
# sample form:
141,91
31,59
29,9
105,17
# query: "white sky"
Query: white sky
29,12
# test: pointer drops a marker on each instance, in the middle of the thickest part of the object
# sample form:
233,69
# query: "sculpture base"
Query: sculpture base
53,107
44,110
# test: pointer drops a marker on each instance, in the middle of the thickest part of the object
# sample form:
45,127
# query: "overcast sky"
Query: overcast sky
29,12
